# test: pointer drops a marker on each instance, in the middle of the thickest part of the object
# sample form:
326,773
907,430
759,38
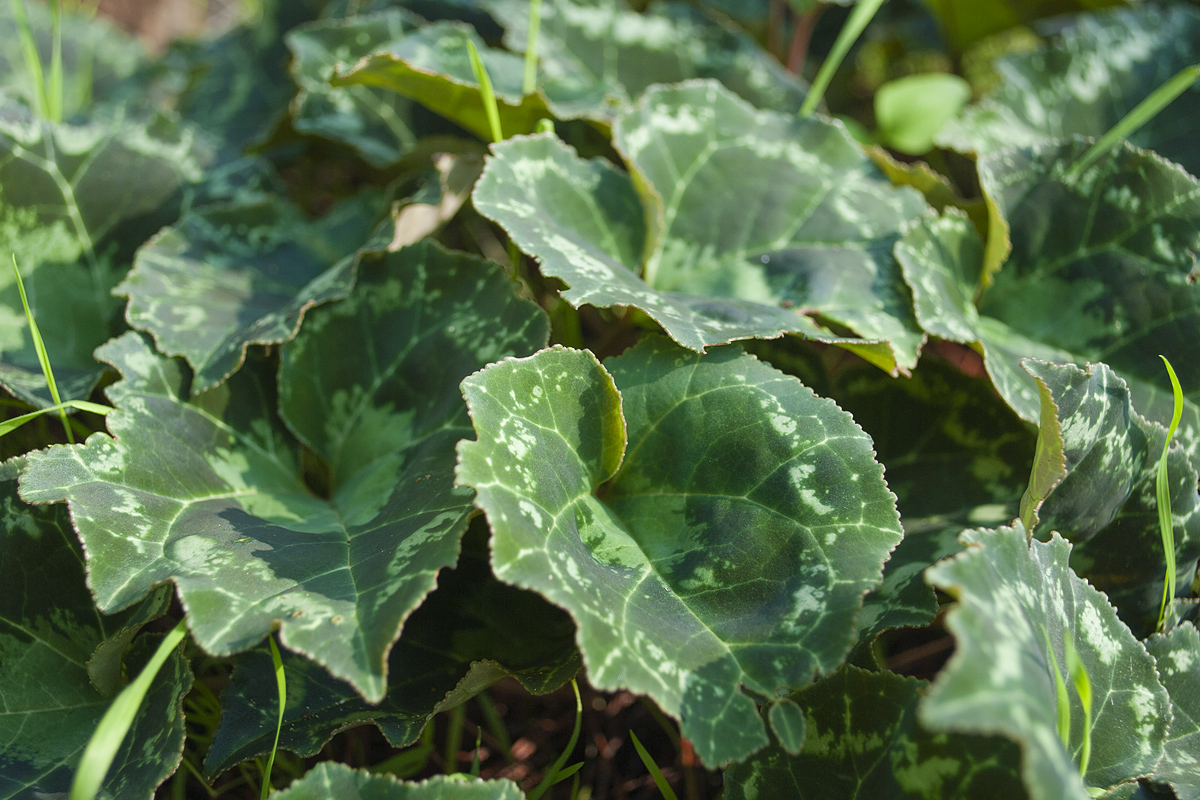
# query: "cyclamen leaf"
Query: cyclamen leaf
1017,599
51,638
863,740
378,124
1102,496
471,631
731,548
1085,80
718,267
233,275
75,200
1178,656
328,780
208,492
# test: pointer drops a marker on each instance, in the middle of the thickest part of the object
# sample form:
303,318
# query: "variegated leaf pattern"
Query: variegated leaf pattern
210,493
1178,657
713,526
61,663
1019,607
863,741
232,275
331,780
1085,79
709,267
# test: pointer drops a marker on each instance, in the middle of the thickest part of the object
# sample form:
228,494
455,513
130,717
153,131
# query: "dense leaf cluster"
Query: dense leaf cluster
671,388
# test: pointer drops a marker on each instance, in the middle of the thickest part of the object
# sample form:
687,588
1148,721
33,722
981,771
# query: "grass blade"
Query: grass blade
660,780
114,725
54,88
531,45
10,425
1062,701
454,732
281,685
495,725
1083,686
1142,113
485,89
33,61
1163,495
40,347
552,774
855,24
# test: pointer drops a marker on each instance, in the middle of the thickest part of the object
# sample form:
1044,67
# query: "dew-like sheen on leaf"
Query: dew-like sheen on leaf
208,492
732,547
1019,603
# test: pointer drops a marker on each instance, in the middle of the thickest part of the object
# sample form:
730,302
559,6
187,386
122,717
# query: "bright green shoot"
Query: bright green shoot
281,685
1142,113
485,89
33,61
1083,687
10,425
115,724
40,348
1062,701
660,780
54,90
531,44
859,18
553,774
1163,492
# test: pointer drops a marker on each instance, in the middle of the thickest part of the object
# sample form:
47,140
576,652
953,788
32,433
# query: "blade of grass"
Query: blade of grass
495,725
33,61
281,685
114,725
454,732
567,773
556,767
531,46
1083,686
10,425
1163,493
475,758
1142,113
54,87
660,780
487,92
1062,701
855,24
40,347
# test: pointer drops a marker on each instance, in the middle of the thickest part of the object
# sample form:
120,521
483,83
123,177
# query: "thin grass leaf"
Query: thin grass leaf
1142,113
485,89
855,24
102,747
495,725
54,86
1163,494
40,347
10,425
531,47
281,685
556,767
568,772
660,780
1062,701
454,732
1083,686
33,61
475,758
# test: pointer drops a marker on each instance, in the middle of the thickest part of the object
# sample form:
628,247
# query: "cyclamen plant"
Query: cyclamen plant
368,354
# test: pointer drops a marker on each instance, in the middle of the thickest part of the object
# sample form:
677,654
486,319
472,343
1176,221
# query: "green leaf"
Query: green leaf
863,741
1017,600
788,724
722,261
60,662
911,110
1086,79
208,493
75,200
731,548
965,22
1103,495
232,275
327,780
1178,657
378,124
471,631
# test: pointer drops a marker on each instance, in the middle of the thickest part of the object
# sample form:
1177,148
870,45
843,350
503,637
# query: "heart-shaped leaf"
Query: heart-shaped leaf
728,544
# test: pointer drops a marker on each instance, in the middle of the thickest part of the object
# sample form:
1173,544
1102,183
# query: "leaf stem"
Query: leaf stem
281,686
556,767
1142,113
857,22
115,724
531,47
485,89
54,89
